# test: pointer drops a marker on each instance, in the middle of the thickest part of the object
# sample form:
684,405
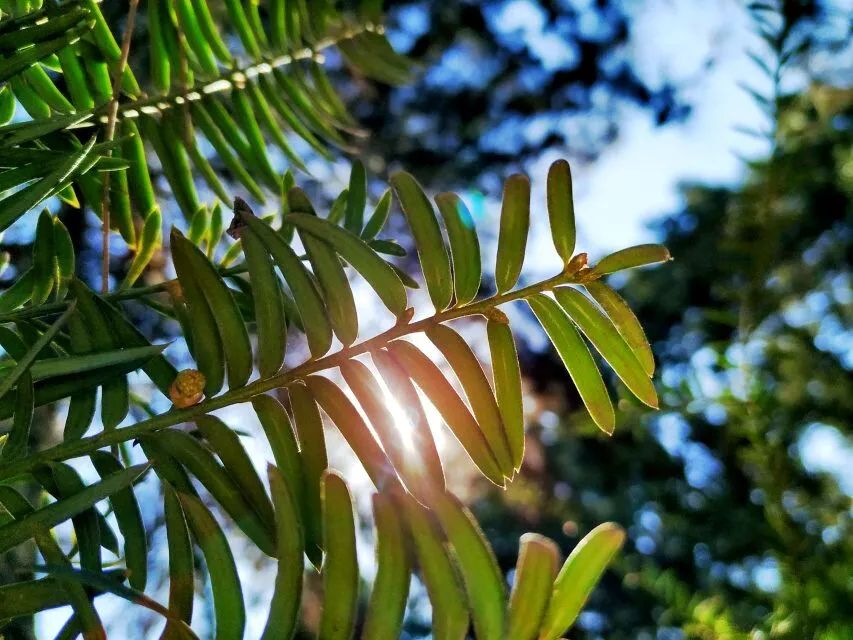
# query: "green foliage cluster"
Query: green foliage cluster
79,348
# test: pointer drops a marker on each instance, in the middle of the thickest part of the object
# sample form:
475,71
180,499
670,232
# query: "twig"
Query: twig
184,128
84,446
112,117
132,293
55,308
157,104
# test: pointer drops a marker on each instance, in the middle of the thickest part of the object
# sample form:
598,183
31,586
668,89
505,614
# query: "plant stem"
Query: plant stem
158,103
132,293
112,116
85,446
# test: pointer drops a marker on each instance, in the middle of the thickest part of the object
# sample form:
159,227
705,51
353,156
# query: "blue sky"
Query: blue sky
636,178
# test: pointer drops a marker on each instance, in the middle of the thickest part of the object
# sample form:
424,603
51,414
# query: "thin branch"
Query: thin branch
53,308
112,117
236,77
86,446
152,105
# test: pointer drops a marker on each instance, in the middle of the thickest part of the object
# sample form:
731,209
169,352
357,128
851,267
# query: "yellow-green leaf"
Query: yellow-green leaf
637,256
371,398
506,376
531,590
610,344
579,575
625,321
229,610
284,608
439,574
515,223
384,620
479,567
480,396
464,246
340,567
577,358
453,410
353,428
429,242
401,387
561,209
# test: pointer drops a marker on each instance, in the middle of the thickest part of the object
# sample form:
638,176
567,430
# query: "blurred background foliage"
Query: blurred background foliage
736,530
739,523
736,495
733,526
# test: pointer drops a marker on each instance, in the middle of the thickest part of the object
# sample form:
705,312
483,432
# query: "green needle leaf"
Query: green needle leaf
14,206
429,242
201,463
312,309
14,533
283,616
356,198
579,575
600,331
226,444
533,583
26,362
312,440
638,256
575,355
340,568
181,565
440,576
480,396
229,610
506,375
384,620
453,410
464,246
353,428
129,519
478,565
515,223
561,209
363,259
54,367
379,217
625,321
